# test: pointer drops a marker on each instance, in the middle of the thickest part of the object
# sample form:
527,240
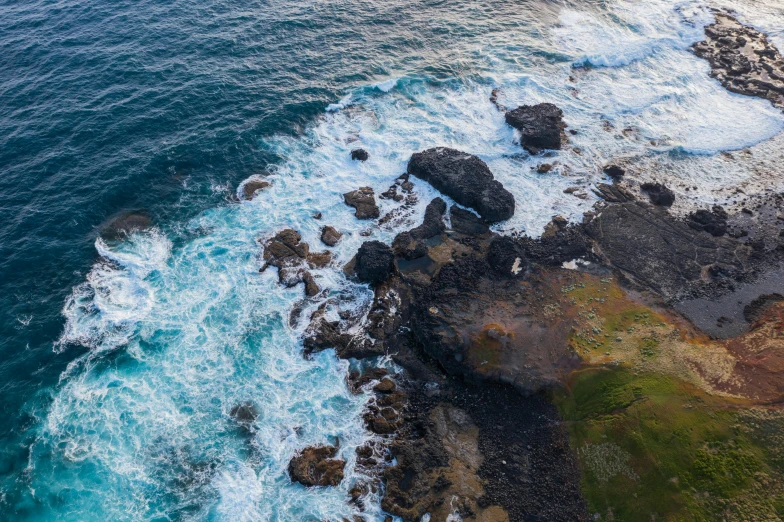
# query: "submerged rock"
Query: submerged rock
359,155
541,126
316,466
466,179
126,223
743,59
375,262
364,201
659,194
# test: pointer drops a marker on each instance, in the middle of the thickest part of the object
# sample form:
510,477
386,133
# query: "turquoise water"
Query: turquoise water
122,360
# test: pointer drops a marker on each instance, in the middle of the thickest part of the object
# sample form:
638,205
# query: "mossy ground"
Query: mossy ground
653,447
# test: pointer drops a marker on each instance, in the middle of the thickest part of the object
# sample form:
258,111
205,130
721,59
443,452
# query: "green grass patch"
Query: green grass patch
654,448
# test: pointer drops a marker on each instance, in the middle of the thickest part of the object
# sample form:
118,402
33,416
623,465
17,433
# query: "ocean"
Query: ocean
120,360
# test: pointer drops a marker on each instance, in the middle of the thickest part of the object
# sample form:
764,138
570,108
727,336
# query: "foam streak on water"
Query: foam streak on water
180,326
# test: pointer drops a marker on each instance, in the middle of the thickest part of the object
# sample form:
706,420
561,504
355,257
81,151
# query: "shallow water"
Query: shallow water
120,388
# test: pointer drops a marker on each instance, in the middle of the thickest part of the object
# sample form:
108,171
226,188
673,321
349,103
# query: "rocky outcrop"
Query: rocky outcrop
659,194
330,236
359,155
614,171
743,59
364,201
292,258
375,262
251,187
541,126
712,221
663,253
466,179
317,466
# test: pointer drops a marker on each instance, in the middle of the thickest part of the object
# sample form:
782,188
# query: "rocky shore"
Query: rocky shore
518,355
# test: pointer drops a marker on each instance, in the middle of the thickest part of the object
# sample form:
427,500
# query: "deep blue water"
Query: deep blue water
167,107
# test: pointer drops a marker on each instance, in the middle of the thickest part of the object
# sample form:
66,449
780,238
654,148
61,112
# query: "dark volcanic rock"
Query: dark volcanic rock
713,222
250,188
743,59
466,179
433,223
375,262
507,257
245,414
292,257
316,466
541,126
660,252
659,194
754,310
359,154
467,223
614,171
364,202
330,236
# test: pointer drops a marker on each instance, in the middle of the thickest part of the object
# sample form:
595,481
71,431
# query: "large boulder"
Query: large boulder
330,236
541,126
375,262
466,179
316,466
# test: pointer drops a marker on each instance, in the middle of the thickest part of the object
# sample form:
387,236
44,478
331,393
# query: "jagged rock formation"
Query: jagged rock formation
743,59
316,466
292,257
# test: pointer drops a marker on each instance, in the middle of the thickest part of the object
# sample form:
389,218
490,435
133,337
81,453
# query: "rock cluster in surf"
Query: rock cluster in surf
743,59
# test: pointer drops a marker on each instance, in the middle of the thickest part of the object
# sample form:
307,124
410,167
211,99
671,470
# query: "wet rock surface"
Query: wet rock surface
317,466
330,236
375,262
360,155
292,258
743,59
541,126
364,201
252,187
466,179
659,194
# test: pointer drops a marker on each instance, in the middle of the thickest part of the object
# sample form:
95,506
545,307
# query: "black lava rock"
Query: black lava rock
359,155
714,222
375,262
466,179
659,194
507,257
541,126
614,171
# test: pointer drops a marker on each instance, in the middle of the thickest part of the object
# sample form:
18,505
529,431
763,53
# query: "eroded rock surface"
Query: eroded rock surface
292,258
364,201
466,179
317,466
250,188
330,236
743,59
